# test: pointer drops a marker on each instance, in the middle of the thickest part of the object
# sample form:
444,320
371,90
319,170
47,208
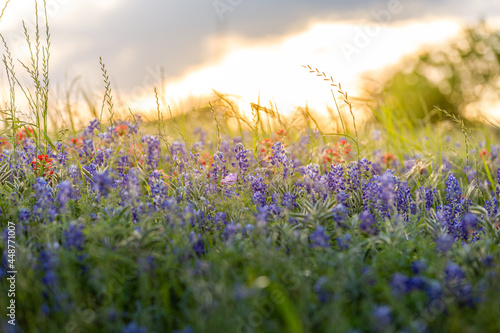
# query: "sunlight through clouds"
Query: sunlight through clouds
272,70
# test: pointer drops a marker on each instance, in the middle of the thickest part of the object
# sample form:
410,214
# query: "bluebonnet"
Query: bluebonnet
197,243
368,223
91,168
340,215
87,149
444,243
433,289
48,262
219,170
404,200
455,281
370,195
262,215
491,207
74,173
230,230
240,154
24,215
220,218
418,266
383,316
321,292
100,157
64,192
102,182
130,192
259,189
152,151
342,198
62,155
453,272
311,171
44,206
247,230
289,201
280,158
344,241
416,283
73,237
427,196
178,149
90,130
132,327
355,172
400,284
470,221
387,191
319,238
488,261
453,190
335,178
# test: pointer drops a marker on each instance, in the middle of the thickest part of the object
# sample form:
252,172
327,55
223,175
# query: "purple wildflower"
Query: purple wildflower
197,243
230,179
418,266
368,223
319,238
89,131
383,317
64,193
152,151
344,241
400,284
282,159
240,154
73,237
340,215
44,205
102,182
453,190
444,243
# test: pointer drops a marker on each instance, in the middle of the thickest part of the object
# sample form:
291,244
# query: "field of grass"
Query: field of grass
212,222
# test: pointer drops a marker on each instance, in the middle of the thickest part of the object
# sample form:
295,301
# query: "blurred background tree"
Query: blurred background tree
457,77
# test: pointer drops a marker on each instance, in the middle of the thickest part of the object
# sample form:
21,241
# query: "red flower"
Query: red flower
76,143
484,153
121,130
387,159
23,134
206,159
42,166
265,148
337,154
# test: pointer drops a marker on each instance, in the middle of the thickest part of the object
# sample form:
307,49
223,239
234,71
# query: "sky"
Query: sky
250,48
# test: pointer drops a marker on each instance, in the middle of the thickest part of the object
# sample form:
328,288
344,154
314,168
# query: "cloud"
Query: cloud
136,38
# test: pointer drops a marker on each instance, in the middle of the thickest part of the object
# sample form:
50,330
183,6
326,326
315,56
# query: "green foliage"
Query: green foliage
454,77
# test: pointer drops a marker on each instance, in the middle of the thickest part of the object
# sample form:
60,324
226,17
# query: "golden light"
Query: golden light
272,71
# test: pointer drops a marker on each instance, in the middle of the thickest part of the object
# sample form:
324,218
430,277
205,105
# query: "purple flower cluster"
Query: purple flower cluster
152,154
44,208
319,238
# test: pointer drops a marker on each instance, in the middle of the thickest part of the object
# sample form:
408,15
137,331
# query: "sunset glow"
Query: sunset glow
272,71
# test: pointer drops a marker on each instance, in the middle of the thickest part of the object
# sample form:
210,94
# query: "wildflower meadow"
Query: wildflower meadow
212,221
